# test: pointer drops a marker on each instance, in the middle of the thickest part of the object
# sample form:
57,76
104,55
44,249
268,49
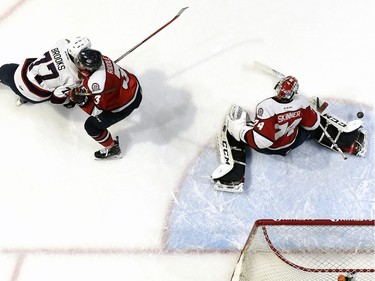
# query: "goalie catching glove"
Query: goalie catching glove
78,95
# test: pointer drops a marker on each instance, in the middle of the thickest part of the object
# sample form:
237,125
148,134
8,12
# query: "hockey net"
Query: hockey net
308,250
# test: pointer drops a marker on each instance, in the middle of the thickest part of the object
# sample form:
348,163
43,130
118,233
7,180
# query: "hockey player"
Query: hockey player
47,78
282,123
108,94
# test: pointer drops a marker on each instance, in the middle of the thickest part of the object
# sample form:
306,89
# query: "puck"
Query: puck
360,114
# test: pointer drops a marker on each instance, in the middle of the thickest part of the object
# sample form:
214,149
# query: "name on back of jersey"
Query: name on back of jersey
58,59
287,116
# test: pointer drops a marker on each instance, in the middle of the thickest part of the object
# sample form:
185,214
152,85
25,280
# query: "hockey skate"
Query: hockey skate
109,153
231,182
359,146
20,101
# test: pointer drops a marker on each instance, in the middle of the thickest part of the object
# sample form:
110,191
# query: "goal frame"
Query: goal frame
263,223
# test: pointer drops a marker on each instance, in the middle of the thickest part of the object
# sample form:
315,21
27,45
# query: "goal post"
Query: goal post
308,250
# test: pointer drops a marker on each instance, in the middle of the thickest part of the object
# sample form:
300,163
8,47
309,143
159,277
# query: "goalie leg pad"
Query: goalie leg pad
231,176
226,158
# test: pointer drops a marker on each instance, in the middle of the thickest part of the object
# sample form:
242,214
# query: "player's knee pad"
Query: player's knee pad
92,126
7,73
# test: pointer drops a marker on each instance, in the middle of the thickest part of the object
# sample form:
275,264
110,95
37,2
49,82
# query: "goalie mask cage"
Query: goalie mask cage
308,250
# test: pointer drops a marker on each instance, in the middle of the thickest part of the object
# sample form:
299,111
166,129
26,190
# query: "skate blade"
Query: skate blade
114,157
19,102
233,188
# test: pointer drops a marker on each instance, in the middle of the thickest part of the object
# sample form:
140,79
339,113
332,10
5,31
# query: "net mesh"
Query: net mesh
318,251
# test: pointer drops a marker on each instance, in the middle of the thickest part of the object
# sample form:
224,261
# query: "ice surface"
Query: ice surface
311,182
153,215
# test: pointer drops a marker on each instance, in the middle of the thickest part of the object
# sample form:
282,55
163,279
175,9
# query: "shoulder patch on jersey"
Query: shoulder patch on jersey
260,112
95,87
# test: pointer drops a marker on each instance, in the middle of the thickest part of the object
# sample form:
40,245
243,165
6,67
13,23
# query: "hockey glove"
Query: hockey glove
70,104
78,95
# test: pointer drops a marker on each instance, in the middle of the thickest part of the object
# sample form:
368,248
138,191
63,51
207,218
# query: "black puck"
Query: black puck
360,114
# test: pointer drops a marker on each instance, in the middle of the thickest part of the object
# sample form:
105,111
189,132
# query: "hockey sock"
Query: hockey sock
105,138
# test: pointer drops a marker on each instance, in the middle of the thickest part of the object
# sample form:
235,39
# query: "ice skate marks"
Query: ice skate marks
311,182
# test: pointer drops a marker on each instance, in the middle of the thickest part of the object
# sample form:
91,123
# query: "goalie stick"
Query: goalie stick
268,69
319,107
337,148
157,31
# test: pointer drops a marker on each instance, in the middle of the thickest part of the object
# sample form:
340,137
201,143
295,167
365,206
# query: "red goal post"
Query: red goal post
308,250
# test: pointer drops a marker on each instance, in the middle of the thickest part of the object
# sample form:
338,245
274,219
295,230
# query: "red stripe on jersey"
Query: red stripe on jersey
249,137
34,89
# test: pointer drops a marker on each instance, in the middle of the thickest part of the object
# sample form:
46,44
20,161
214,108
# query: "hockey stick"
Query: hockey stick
161,28
278,74
95,94
135,47
338,149
268,69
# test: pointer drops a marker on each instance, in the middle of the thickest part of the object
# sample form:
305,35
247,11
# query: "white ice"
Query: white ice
153,215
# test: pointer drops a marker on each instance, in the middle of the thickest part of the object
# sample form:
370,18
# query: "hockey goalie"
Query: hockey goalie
281,123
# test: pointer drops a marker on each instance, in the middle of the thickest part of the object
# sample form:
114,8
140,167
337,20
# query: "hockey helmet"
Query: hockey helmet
286,88
77,45
88,61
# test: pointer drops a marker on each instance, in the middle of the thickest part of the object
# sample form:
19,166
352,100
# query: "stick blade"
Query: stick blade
268,69
181,11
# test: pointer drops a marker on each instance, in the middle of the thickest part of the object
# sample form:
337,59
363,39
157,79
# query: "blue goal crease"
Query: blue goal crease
310,183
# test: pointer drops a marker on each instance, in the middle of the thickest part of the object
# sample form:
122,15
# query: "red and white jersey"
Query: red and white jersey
115,87
48,77
276,123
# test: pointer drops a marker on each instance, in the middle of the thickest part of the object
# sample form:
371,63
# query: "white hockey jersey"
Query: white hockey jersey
49,77
277,123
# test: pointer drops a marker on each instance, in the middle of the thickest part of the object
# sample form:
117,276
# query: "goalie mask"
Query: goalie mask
286,88
88,61
77,45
